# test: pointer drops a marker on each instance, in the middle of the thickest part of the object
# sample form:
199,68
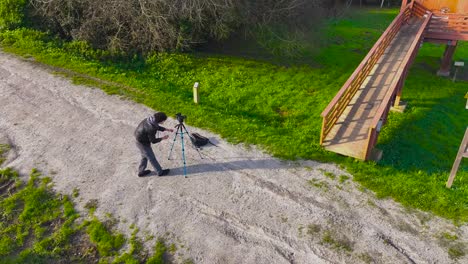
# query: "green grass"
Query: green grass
456,252
337,243
3,150
40,226
278,107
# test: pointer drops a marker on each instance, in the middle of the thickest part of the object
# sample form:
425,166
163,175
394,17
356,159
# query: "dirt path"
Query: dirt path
238,205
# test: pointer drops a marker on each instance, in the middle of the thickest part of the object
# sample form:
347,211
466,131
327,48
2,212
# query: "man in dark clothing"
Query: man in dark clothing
145,134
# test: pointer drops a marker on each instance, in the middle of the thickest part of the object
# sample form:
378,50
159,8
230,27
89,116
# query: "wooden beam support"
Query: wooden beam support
446,36
447,60
462,153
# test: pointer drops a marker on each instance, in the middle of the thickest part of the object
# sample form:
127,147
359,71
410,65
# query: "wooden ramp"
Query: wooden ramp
353,119
350,134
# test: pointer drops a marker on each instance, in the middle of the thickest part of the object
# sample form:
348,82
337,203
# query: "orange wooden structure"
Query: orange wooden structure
353,119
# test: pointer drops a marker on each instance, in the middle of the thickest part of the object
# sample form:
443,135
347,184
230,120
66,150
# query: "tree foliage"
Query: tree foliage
153,25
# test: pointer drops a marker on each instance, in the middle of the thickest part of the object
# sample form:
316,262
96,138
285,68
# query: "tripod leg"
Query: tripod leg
172,147
183,154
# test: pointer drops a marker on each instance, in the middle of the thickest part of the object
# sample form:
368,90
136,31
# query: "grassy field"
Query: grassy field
277,107
40,226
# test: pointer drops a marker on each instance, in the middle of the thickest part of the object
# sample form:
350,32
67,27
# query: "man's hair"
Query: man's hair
159,117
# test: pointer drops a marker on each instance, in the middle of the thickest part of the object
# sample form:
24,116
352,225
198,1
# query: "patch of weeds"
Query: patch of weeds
366,258
136,252
3,150
188,261
339,244
308,168
371,203
160,251
457,251
449,240
105,240
91,205
381,209
284,219
344,178
300,229
313,229
423,217
319,184
75,192
148,236
330,175
39,226
363,189
173,248
405,227
449,237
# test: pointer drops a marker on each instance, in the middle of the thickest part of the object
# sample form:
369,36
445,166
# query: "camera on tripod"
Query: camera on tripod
181,130
180,117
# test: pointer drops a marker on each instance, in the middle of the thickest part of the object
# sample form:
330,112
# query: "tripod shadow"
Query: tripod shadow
229,166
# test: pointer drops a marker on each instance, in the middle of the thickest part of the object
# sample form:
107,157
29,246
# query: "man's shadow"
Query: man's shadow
227,166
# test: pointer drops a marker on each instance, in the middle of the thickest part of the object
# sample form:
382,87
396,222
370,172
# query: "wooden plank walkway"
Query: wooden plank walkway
349,136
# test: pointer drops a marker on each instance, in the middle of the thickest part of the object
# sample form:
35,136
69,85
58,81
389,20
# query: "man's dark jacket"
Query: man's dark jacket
145,133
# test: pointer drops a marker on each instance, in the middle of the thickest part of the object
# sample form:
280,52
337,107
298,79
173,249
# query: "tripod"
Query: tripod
181,130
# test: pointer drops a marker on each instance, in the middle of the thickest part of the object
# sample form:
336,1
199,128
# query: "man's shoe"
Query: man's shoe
144,173
164,172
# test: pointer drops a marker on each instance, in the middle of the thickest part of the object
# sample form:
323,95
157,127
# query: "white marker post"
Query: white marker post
458,64
195,93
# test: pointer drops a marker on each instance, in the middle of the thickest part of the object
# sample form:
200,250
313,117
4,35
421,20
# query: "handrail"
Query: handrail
449,26
337,106
445,26
391,92
419,9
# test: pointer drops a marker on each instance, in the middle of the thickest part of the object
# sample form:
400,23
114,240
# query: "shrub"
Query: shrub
12,13
156,25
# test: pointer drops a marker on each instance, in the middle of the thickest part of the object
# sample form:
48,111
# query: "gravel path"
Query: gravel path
238,205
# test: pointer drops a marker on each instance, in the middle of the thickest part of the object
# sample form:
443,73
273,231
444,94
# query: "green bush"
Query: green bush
12,13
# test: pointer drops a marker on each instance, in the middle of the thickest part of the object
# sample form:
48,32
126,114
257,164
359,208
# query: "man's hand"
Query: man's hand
169,129
165,137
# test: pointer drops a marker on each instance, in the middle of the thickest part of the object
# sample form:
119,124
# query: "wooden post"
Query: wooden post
466,96
403,5
447,59
462,153
195,93
396,103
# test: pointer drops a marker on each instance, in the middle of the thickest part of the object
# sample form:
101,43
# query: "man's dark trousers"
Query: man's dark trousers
147,154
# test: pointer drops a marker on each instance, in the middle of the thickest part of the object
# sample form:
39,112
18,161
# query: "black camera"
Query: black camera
180,117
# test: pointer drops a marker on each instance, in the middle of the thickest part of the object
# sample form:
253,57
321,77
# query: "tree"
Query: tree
153,25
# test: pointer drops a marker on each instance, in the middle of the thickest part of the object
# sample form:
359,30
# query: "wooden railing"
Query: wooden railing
335,108
448,27
382,112
419,10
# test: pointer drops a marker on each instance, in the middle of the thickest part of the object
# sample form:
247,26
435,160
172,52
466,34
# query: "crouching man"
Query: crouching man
145,134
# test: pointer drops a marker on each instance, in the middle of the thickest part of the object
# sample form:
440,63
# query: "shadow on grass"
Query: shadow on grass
427,138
